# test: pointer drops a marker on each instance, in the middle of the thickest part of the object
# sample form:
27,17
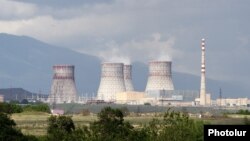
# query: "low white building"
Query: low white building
232,102
1,98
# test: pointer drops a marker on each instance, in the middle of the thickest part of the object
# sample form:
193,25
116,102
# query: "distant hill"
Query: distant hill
27,63
17,94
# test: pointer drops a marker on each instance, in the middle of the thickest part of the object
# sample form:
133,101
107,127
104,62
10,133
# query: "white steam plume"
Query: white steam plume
153,48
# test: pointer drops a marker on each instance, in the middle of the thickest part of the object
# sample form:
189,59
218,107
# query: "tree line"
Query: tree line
11,108
110,126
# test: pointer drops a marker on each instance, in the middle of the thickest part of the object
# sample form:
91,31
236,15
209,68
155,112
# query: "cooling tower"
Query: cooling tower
112,81
160,76
63,89
128,77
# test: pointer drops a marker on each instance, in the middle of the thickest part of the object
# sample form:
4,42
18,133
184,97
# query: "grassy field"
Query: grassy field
35,123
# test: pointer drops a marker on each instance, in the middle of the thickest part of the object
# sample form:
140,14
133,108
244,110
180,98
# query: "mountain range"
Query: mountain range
27,63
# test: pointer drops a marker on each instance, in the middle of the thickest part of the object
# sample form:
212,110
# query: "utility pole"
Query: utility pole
220,96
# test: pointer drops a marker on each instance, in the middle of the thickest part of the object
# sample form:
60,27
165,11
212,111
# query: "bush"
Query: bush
111,126
243,112
63,128
174,127
9,132
124,111
37,108
10,108
246,121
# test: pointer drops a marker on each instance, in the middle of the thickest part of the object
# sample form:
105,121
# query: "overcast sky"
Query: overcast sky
142,30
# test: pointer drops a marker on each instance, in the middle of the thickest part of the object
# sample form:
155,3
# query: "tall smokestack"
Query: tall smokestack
160,76
128,77
203,76
63,89
112,81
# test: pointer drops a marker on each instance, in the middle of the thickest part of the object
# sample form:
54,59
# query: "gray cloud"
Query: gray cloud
124,28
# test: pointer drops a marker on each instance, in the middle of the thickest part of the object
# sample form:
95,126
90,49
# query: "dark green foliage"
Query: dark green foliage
24,101
125,111
62,123
10,108
14,102
174,127
63,128
9,132
111,126
243,112
37,108
147,104
246,121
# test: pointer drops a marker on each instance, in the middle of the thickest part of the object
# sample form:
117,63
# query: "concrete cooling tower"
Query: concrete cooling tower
160,76
63,89
112,81
128,77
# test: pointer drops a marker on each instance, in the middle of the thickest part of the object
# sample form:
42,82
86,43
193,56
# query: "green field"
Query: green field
35,123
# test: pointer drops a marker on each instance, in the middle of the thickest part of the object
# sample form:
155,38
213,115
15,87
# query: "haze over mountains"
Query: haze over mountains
27,63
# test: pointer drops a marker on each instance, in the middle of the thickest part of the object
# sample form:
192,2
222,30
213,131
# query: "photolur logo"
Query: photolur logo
225,132
214,132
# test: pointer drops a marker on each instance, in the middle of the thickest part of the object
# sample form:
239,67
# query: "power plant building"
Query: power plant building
63,88
112,81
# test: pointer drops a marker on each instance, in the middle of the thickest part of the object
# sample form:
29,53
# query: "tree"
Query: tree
37,108
24,101
175,126
9,132
111,126
246,121
10,108
125,111
63,128
178,127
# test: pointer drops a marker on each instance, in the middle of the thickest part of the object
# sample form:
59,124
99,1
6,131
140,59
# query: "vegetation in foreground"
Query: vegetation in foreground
110,126
9,132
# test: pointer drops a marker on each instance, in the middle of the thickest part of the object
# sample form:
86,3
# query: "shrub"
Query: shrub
111,126
243,112
37,108
63,128
9,132
10,108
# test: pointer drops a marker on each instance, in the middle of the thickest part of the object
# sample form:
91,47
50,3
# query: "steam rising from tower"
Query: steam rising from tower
160,76
63,89
203,76
128,77
112,81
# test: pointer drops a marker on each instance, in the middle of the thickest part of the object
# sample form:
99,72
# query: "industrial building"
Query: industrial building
63,88
131,97
232,102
